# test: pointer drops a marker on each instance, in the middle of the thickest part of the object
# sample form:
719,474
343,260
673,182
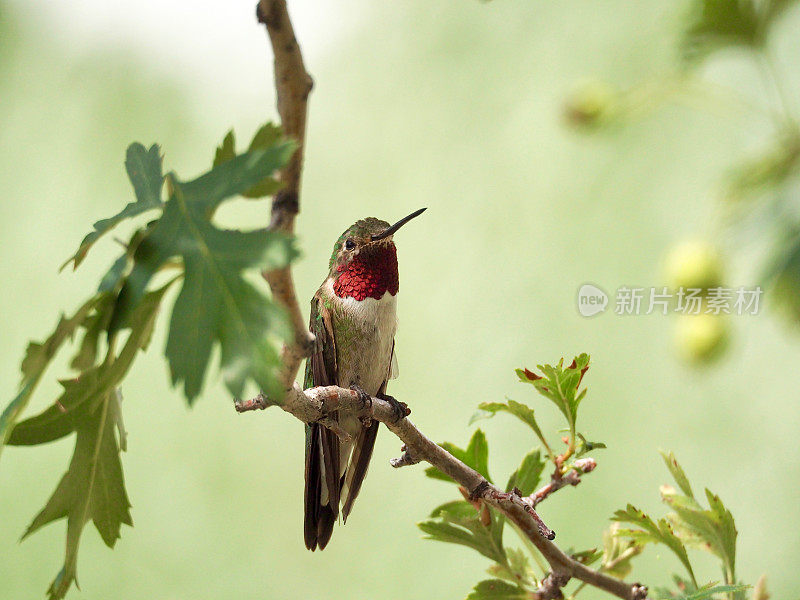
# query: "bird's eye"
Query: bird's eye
349,245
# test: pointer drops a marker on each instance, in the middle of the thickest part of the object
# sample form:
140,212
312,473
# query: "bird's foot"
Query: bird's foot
400,409
366,402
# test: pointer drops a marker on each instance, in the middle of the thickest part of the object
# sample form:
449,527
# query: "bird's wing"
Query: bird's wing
362,452
322,482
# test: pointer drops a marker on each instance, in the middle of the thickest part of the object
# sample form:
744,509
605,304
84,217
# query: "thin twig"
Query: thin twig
404,460
559,480
293,85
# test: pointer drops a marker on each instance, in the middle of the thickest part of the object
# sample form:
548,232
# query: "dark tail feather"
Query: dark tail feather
359,462
322,460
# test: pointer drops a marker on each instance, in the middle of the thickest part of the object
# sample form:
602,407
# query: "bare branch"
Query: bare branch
260,402
550,587
404,460
559,480
293,85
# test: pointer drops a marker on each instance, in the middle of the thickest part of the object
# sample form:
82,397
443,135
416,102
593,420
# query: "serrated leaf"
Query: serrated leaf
618,553
522,411
216,303
497,589
656,532
144,171
517,569
82,395
529,473
268,136
93,326
476,456
227,150
460,509
708,590
92,489
37,358
459,522
677,473
561,386
714,526
683,586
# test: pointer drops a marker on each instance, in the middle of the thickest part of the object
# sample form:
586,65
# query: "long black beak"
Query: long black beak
398,225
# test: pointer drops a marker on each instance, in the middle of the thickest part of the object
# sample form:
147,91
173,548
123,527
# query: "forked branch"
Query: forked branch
293,85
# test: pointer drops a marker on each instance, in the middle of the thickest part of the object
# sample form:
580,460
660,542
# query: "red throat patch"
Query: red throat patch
371,274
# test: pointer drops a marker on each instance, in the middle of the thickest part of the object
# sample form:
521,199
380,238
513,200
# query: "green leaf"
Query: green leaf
677,473
527,476
37,358
655,532
476,456
497,589
523,412
81,396
560,385
144,171
459,523
587,557
714,526
268,136
216,303
585,446
516,571
706,591
227,150
618,553
716,24
92,489
709,590
683,586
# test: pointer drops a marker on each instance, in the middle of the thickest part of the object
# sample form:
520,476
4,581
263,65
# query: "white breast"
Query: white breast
377,324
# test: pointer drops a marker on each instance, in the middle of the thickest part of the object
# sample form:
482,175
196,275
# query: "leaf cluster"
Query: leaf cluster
217,305
689,525
472,524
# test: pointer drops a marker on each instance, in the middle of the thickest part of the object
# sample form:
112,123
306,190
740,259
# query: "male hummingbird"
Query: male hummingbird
353,320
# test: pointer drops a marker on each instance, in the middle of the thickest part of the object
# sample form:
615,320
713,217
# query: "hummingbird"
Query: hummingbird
353,320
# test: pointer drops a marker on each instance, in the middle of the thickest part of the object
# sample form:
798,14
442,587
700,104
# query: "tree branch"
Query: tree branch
315,404
293,85
559,480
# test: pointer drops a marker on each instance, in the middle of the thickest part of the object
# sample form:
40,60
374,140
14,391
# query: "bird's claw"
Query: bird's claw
400,409
366,402
366,399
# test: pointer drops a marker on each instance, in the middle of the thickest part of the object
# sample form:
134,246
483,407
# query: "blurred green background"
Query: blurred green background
452,105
